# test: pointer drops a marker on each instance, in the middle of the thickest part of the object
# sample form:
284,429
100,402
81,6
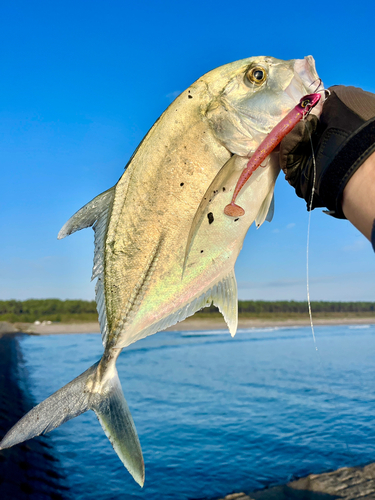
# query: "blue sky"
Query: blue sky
81,83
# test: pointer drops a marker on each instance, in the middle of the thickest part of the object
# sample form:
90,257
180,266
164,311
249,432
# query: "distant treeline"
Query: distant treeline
32,310
292,307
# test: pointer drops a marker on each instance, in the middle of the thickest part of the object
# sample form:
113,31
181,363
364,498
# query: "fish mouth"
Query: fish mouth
305,81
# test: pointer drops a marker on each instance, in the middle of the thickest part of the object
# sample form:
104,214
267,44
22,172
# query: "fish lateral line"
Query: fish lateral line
266,147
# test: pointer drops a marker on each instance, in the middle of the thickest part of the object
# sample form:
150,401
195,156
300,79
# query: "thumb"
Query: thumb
298,140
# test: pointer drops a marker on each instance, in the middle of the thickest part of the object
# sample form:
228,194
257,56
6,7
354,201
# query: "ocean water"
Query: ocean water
215,414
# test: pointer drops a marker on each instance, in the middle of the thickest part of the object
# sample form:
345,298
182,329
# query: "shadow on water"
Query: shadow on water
29,470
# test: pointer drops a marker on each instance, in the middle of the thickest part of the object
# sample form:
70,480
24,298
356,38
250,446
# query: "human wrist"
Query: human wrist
351,154
358,199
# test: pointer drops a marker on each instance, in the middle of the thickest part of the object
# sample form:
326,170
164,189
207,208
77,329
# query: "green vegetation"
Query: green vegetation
67,311
28,311
284,309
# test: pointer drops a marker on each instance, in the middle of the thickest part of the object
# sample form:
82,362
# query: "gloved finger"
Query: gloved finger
297,139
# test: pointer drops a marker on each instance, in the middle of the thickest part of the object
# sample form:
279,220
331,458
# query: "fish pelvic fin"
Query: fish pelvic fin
84,393
266,210
224,296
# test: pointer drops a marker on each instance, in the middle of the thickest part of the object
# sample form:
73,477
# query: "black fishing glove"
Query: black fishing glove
342,139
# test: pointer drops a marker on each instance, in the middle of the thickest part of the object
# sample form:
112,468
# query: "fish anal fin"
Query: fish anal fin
223,293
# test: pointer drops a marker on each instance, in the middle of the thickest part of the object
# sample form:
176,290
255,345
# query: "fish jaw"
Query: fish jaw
242,116
306,81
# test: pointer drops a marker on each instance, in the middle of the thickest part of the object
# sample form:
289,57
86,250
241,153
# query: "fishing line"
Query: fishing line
309,222
308,243
308,294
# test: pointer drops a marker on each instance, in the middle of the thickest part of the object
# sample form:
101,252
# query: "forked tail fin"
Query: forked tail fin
82,394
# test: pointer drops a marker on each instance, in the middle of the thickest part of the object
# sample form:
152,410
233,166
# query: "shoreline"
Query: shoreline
189,324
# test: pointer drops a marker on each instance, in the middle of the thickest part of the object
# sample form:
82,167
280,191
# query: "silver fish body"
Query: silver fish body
163,246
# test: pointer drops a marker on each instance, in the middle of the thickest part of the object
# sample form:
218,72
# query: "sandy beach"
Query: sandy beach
194,324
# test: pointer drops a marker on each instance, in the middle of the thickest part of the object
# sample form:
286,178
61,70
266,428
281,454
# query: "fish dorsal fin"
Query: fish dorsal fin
100,228
223,294
266,210
95,213
87,215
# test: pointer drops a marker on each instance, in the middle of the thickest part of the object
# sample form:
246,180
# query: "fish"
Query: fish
164,248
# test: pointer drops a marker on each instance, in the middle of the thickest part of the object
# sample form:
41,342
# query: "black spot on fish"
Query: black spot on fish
181,184
215,192
201,251
210,217
223,189
235,220
190,96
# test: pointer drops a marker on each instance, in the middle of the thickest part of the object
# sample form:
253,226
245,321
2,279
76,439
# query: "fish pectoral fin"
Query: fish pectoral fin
224,296
87,215
214,188
267,209
77,397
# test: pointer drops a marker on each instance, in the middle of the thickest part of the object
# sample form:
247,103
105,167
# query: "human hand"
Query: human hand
341,140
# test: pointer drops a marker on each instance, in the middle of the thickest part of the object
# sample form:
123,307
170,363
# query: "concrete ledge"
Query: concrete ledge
348,483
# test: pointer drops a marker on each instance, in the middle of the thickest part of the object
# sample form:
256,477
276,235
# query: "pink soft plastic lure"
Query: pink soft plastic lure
274,138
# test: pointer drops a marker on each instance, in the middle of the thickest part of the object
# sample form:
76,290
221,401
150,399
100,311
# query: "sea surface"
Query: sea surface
215,414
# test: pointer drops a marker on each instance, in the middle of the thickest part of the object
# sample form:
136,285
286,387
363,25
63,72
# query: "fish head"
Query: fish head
250,97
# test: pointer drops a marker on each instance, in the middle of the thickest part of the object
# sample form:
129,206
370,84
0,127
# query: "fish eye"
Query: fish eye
256,75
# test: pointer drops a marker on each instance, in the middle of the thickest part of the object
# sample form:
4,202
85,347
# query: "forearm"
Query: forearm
358,201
